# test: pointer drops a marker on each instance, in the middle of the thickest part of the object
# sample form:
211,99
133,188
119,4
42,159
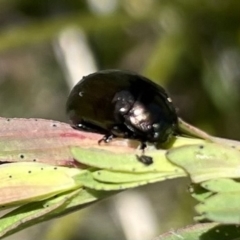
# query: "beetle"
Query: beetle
124,104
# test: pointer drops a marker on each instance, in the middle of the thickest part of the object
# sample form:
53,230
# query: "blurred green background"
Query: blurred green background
190,47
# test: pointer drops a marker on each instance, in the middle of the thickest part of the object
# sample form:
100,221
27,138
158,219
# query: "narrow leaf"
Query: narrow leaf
33,213
87,180
222,208
124,177
29,214
207,161
39,140
205,231
122,162
222,185
26,182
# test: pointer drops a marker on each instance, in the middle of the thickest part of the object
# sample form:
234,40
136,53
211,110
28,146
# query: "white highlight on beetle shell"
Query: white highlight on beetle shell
139,117
80,94
156,126
123,110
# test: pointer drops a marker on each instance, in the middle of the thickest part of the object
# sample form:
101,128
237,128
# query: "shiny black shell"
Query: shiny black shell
122,104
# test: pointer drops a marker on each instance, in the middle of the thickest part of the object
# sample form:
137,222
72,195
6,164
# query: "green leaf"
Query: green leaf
205,231
124,177
222,185
221,207
33,213
88,180
207,161
26,182
121,162
29,214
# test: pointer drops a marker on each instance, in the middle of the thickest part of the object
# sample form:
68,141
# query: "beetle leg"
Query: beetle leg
147,160
143,146
106,138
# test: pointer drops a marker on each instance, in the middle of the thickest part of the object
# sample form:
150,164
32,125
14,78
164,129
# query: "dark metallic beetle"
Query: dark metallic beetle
122,104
